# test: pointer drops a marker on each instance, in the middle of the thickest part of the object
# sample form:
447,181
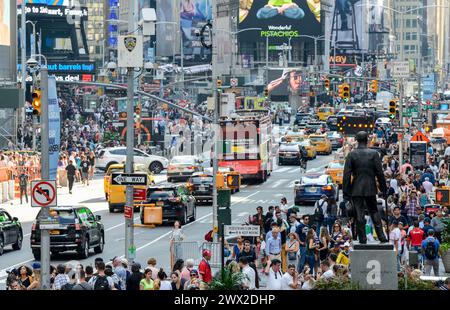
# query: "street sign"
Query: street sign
139,194
400,69
128,179
418,119
418,154
398,130
43,193
234,82
243,230
128,212
420,137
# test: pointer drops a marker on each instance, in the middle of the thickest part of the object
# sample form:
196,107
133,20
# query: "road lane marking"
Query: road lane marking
278,183
3,271
282,169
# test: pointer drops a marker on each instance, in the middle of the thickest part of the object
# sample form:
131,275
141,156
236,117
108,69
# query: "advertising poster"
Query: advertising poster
375,16
54,128
194,14
346,31
418,154
279,20
428,86
285,82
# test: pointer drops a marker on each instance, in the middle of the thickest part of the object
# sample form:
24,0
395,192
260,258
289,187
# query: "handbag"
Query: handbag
292,255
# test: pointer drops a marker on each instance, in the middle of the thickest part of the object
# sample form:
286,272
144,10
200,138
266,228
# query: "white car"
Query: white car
383,121
117,155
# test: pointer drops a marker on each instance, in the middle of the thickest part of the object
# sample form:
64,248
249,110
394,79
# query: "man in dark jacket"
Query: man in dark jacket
364,165
71,170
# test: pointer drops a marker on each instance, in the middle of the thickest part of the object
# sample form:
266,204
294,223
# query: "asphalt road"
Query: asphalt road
155,242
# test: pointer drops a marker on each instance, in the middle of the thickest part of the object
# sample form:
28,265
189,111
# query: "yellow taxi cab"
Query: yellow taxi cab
324,112
335,170
294,136
310,149
116,194
321,143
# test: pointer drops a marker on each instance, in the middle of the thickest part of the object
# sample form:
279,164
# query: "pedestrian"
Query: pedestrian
120,271
91,165
147,283
414,241
237,248
194,281
204,268
325,270
284,207
290,280
320,208
331,213
426,225
36,283
284,230
134,280
301,232
82,285
151,263
89,271
102,282
176,237
336,235
61,277
344,256
268,219
248,252
437,224
395,239
430,251
293,222
186,270
412,207
292,247
23,183
273,244
324,242
249,282
71,172
162,282
258,218
85,166
275,277
72,281
311,248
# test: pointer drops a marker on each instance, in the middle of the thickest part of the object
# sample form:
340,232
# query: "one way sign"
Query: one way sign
128,179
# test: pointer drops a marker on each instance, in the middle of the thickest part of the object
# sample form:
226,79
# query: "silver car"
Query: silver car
117,155
182,167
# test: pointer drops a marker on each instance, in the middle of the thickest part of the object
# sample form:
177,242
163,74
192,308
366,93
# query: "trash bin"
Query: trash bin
152,215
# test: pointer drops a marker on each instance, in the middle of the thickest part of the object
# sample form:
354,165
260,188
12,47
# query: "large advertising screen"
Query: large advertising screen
5,12
284,82
279,20
194,14
346,31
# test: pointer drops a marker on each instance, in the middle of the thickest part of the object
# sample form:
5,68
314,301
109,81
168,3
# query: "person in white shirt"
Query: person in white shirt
395,238
447,151
250,275
275,276
394,184
290,279
327,271
427,185
284,208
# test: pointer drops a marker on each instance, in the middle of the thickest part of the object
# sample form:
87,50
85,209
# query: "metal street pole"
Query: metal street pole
23,56
267,59
45,175
400,114
215,206
315,53
129,229
401,37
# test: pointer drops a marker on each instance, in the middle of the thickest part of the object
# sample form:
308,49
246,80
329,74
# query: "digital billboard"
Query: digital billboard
279,20
346,31
285,82
5,34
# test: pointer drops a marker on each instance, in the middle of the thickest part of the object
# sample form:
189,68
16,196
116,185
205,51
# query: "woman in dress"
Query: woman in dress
175,238
324,241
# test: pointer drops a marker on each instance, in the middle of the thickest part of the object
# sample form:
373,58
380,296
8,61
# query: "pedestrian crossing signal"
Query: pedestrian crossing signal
233,181
36,95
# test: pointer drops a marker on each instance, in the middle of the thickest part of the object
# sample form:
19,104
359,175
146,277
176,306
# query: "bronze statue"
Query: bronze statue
361,171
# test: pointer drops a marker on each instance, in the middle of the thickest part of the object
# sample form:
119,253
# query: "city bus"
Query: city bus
246,144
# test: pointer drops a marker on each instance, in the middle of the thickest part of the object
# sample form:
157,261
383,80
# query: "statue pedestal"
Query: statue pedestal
374,266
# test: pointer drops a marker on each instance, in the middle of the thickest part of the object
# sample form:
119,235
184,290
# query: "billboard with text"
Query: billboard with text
279,20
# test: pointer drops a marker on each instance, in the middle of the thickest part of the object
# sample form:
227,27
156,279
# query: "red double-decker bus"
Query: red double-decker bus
246,143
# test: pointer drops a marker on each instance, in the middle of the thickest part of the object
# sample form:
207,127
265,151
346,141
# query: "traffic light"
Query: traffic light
233,181
327,84
266,92
36,95
219,83
137,115
374,86
341,91
392,109
346,92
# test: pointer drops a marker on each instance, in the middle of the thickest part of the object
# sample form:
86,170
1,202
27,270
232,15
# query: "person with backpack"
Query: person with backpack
320,211
268,219
430,251
101,282
82,285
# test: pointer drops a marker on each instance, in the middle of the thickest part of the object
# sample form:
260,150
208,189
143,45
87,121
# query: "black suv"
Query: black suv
176,201
77,229
201,187
10,231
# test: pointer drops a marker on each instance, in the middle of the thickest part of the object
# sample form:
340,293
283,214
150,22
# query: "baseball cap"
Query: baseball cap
124,261
324,196
346,244
36,265
206,252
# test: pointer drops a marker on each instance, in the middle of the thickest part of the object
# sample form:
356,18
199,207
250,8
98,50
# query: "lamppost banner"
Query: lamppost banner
54,128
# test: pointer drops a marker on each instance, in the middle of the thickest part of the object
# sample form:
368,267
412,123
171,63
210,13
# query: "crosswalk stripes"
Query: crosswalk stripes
294,169
278,183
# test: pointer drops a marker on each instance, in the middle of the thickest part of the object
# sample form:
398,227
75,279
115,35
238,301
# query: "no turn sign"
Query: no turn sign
43,193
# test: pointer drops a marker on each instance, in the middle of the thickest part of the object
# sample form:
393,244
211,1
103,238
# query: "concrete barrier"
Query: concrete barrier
374,266
11,190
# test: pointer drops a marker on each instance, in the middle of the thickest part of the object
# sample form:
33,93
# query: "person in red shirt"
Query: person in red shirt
204,268
415,238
